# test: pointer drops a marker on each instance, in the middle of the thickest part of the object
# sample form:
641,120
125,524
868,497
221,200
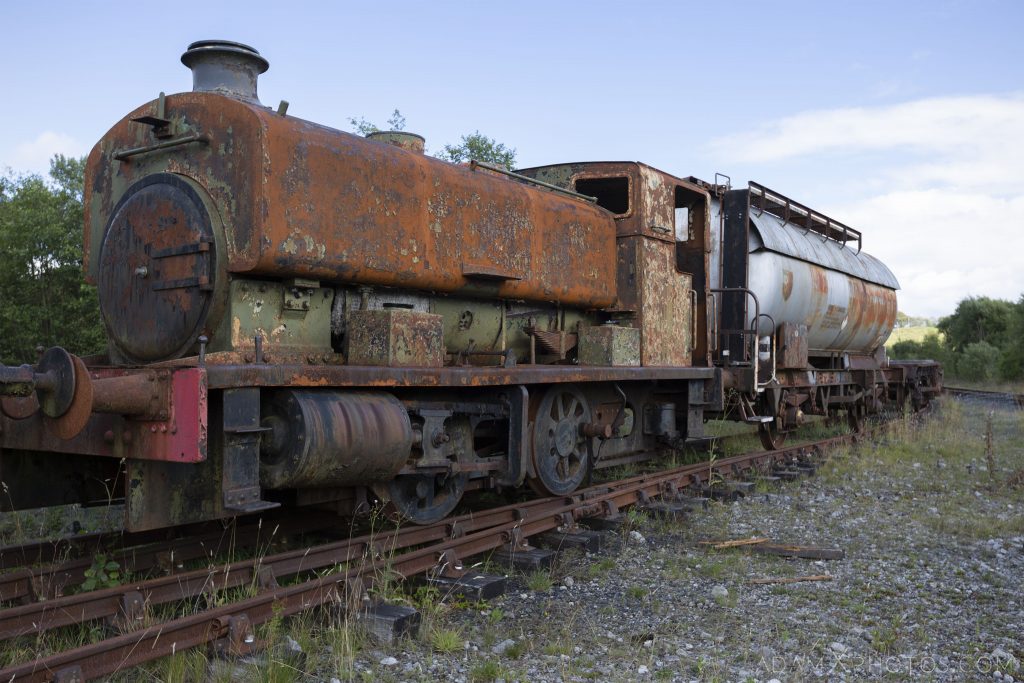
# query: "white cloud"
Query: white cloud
945,244
34,156
948,217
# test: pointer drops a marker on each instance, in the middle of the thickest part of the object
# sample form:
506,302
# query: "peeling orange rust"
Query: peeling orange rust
442,220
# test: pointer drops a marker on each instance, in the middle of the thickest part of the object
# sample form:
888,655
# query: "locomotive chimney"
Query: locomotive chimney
224,67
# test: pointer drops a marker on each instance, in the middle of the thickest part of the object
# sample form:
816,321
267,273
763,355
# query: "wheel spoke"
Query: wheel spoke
572,406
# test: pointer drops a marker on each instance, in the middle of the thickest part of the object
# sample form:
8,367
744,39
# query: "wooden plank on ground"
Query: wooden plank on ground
792,579
804,551
719,545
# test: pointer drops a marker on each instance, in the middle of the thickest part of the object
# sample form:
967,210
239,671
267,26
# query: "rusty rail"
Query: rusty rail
137,552
466,536
999,396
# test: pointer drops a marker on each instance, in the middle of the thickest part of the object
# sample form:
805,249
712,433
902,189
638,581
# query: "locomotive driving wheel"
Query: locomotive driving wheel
424,498
561,451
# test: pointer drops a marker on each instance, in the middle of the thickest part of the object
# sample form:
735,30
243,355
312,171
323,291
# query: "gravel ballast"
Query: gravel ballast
929,587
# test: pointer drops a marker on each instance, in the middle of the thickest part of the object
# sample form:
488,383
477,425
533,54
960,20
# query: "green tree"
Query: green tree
1012,365
929,348
978,319
364,127
476,145
479,147
43,297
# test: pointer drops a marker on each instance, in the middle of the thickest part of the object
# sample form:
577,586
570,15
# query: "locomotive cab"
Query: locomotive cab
663,245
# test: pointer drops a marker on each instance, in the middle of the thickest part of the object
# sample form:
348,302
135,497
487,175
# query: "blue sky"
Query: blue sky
903,119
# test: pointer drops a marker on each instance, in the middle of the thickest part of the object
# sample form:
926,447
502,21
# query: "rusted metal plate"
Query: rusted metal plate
186,441
290,320
381,215
609,345
395,337
650,193
34,433
665,306
791,345
654,287
161,494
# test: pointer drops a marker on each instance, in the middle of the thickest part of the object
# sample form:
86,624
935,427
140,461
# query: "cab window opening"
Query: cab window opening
611,193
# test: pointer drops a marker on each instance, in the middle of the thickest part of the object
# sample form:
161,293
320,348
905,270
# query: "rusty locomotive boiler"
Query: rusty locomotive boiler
300,316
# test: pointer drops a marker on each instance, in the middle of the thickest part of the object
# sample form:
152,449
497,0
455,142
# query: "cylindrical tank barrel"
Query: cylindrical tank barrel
332,438
842,313
845,297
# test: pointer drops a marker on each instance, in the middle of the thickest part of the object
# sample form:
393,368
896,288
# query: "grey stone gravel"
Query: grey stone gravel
930,587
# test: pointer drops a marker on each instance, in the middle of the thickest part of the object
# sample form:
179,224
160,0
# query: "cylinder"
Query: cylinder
332,438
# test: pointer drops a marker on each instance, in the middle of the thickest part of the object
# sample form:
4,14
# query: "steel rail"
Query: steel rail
30,584
110,603
150,643
1002,396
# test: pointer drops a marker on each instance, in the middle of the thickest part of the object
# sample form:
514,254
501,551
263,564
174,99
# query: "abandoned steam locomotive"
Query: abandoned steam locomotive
301,316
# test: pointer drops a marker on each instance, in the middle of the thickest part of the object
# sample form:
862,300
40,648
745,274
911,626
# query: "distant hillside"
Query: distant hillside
915,334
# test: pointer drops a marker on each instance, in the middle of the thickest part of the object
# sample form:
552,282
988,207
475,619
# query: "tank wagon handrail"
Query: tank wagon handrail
771,347
752,332
474,164
785,208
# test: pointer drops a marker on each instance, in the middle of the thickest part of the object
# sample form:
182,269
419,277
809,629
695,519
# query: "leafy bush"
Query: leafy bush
979,362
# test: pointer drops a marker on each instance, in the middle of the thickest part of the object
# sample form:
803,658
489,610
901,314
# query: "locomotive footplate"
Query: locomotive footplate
259,375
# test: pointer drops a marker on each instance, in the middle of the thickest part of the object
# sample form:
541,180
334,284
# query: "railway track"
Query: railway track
989,396
337,573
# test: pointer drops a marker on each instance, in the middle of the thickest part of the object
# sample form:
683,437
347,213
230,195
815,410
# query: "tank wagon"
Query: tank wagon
300,316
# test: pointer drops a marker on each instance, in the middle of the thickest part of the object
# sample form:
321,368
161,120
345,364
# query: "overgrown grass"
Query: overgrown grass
962,488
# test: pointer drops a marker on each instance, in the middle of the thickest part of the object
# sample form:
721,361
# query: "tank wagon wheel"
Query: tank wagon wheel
855,416
918,401
772,435
832,418
772,438
423,498
561,452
